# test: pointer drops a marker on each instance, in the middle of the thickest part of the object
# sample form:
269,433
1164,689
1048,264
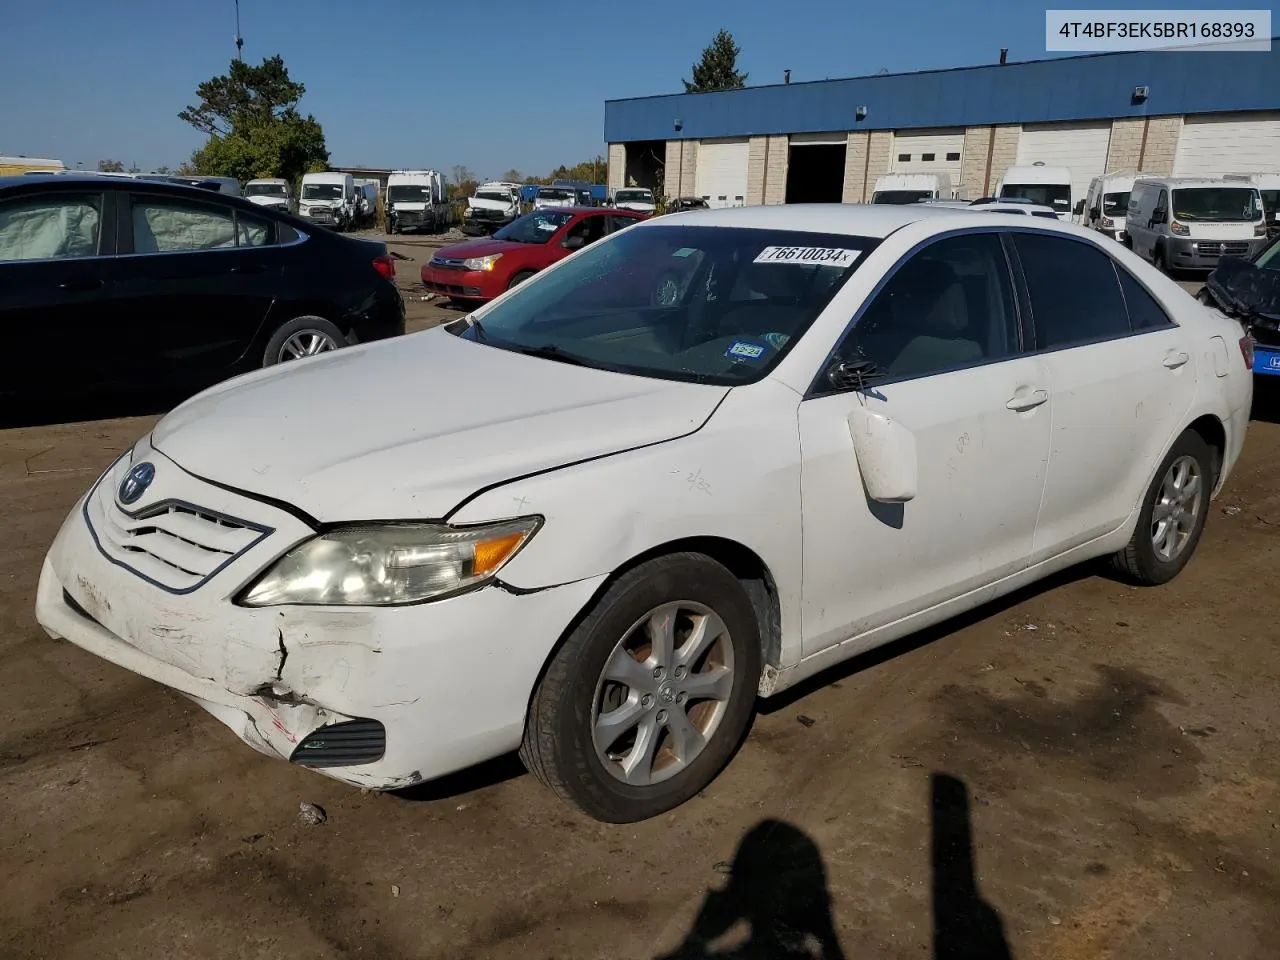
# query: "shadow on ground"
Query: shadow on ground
776,905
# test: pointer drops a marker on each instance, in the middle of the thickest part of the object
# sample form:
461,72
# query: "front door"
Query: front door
944,336
192,286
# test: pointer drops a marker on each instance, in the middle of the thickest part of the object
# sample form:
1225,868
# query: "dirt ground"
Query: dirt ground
1084,771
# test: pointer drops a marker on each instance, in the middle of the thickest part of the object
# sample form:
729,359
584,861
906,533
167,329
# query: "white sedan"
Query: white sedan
689,466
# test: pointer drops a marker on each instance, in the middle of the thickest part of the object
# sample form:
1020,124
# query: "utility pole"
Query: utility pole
239,39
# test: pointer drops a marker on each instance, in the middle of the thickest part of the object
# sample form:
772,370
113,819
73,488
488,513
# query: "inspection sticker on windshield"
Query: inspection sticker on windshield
745,350
824,256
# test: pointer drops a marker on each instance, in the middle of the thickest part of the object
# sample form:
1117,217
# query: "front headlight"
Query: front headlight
1260,228
390,564
1179,229
482,263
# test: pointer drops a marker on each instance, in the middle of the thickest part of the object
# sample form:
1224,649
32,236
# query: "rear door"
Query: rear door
53,283
1121,377
192,285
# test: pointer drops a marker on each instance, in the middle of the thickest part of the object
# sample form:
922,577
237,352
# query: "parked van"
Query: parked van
329,199
270,192
1049,186
639,199
494,206
1268,185
1189,224
910,187
415,200
1103,208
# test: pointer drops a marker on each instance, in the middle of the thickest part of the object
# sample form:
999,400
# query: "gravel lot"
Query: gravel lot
1084,771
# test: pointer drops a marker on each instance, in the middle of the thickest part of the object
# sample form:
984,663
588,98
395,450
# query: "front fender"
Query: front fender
738,479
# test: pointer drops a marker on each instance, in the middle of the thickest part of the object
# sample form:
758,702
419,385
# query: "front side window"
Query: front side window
949,305
1219,204
1271,203
48,227
1075,298
252,231
588,230
537,227
163,225
700,304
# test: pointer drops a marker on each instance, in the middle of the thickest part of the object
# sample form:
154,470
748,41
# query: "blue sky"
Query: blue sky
489,85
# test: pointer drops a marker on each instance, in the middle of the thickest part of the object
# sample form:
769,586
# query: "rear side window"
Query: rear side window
44,227
1075,298
1145,312
165,225
252,231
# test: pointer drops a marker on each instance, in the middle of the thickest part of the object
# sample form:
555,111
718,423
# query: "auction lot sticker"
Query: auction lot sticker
822,256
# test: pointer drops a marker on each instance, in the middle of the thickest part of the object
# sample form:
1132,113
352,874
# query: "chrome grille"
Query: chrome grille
1224,248
176,546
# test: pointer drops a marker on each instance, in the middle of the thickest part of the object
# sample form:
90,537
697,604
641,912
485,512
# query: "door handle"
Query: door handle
249,268
81,284
1025,399
1174,360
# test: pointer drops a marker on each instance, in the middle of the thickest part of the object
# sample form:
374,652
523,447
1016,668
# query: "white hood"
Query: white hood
477,203
409,427
636,205
264,200
1210,230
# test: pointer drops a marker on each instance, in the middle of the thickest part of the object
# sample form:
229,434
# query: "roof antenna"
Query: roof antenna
1004,53
239,39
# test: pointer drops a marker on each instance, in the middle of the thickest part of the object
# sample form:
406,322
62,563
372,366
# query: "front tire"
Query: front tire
1173,515
301,337
649,696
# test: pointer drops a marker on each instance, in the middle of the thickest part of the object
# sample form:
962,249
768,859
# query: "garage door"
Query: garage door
1080,147
1232,143
928,151
722,172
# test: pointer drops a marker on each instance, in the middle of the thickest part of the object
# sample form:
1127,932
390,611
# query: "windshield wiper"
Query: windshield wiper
552,352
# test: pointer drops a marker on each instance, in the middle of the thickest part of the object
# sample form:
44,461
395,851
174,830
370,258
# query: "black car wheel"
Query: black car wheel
648,697
302,337
520,278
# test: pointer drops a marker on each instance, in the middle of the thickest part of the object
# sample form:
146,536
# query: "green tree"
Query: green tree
718,69
255,130
513,176
110,166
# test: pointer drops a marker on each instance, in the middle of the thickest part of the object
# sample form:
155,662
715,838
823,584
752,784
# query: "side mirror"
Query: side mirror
573,243
886,454
850,374
1159,216
1079,208
1093,213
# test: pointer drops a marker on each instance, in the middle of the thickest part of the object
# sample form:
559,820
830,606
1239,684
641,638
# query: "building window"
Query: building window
928,157
951,157
904,158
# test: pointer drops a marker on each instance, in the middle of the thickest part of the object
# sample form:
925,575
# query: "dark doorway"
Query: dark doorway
645,162
815,173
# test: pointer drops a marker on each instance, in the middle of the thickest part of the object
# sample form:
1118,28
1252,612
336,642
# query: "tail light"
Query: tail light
385,264
1246,350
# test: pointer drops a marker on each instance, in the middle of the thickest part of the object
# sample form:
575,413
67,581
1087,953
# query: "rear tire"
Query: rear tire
304,336
648,697
1173,515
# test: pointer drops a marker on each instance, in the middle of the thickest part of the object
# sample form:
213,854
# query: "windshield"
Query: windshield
409,193
633,196
1271,203
1234,204
265,190
700,304
537,227
556,195
497,195
1056,195
322,191
901,196
1115,204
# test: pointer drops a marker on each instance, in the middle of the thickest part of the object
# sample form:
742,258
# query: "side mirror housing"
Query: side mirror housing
1159,216
1079,208
886,454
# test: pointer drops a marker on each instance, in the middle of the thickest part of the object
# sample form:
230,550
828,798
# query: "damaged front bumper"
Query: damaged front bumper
376,697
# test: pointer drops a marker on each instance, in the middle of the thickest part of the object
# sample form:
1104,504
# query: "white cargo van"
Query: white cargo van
1268,185
1049,186
270,192
910,187
1103,208
1190,224
415,200
329,199
639,199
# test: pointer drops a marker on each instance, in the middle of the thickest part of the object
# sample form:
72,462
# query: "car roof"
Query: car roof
854,219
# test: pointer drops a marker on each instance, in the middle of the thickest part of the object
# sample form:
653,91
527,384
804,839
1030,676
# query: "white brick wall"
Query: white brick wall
855,164
775,184
756,151
617,165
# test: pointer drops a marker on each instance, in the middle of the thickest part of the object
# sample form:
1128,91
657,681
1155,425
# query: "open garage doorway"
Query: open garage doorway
815,168
645,162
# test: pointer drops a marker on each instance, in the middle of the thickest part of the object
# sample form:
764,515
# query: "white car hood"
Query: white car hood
476,203
409,205
264,200
411,426
1212,230
637,206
